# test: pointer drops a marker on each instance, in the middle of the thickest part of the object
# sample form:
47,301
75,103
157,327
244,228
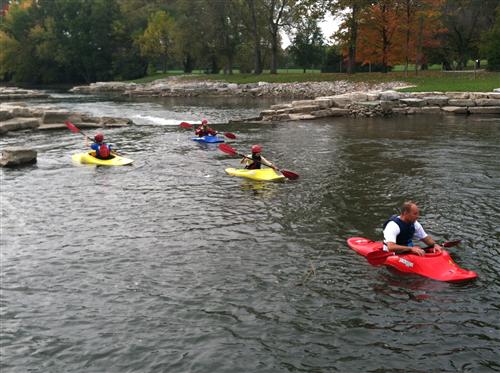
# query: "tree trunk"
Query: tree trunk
353,37
256,40
274,52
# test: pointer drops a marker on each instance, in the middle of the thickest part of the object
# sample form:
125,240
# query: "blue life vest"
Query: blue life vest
407,230
255,165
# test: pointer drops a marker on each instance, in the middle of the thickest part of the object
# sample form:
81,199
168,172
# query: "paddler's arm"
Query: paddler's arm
400,249
429,241
267,163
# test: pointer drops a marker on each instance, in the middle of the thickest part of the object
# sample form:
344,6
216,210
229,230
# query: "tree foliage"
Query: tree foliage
307,46
46,41
490,45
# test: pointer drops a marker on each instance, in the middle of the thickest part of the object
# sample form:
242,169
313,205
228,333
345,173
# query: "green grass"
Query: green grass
425,81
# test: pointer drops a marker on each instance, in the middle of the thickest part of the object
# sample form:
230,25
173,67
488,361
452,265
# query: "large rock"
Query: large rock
436,100
5,115
485,110
56,116
461,102
413,102
390,95
18,124
17,156
457,95
455,109
487,102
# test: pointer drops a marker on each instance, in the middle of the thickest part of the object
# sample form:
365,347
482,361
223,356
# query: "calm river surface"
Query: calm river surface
170,265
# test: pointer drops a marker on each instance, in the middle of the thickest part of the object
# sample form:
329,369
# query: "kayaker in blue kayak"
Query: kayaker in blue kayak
204,129
255,160
400,230
102,150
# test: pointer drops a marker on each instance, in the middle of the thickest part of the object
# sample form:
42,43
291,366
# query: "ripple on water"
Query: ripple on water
171,265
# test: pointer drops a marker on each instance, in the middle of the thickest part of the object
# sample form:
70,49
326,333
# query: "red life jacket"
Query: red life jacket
103,151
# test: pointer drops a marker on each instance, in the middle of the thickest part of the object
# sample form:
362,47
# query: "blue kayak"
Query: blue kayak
208,139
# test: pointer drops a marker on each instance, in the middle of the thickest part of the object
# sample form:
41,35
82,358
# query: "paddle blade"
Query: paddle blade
71,126
378,257
186,125
230,135
451,243
289,174
227,149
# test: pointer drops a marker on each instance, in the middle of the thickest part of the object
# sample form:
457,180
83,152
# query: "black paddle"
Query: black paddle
229,150
187,125
378,257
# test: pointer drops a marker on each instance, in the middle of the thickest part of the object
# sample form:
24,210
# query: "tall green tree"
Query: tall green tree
465,21
307,46
490,44
156,41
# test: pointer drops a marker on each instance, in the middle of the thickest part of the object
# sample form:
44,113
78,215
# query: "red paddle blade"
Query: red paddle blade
227,149
378,257
230,135
71,126
451,243
289,174
185,125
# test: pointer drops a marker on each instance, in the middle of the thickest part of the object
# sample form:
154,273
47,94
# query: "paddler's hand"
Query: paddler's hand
437,248
417,251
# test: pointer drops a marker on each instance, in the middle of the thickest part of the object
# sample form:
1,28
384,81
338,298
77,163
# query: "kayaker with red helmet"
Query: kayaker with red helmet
204,129
102,150
255,160
400,230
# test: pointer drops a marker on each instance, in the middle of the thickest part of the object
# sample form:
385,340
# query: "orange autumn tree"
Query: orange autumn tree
397,31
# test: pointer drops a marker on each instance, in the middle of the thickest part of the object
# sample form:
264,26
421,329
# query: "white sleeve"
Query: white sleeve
419,231
391,231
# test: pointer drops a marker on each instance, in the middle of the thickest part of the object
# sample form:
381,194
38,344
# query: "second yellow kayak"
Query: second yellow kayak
89,158
264,174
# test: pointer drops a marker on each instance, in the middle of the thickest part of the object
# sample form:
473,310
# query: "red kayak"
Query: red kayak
437,266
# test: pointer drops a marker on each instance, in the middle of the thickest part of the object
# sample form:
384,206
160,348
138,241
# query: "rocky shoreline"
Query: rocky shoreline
383,103
177,87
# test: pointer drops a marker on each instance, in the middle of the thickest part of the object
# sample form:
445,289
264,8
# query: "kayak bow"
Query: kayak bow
263,174
436,266
208,139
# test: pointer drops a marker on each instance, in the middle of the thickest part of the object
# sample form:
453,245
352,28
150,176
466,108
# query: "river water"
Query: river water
170,265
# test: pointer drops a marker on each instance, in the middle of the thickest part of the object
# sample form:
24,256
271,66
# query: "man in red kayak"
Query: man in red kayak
255,160
102,150
204,129
400,230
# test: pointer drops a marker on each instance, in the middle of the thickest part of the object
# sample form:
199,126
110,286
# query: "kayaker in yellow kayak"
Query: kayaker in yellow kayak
400,230
204,129
102,150
255,160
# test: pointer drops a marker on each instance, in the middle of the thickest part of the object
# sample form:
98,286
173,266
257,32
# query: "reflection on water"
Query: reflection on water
172,265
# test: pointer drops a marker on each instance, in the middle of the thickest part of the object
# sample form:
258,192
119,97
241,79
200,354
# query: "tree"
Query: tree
377,34
490,44
349,11
156,41
307,46
278,13
465,21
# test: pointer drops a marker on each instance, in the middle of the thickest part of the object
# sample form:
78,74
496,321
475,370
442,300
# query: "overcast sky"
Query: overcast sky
328,26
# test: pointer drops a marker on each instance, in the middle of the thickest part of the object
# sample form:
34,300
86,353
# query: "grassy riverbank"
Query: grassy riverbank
425,81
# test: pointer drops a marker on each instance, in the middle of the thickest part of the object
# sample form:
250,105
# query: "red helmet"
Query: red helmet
99,137
256,149
204,121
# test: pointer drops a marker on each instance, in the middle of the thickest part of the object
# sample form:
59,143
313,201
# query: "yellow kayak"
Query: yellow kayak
89,158
264,174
